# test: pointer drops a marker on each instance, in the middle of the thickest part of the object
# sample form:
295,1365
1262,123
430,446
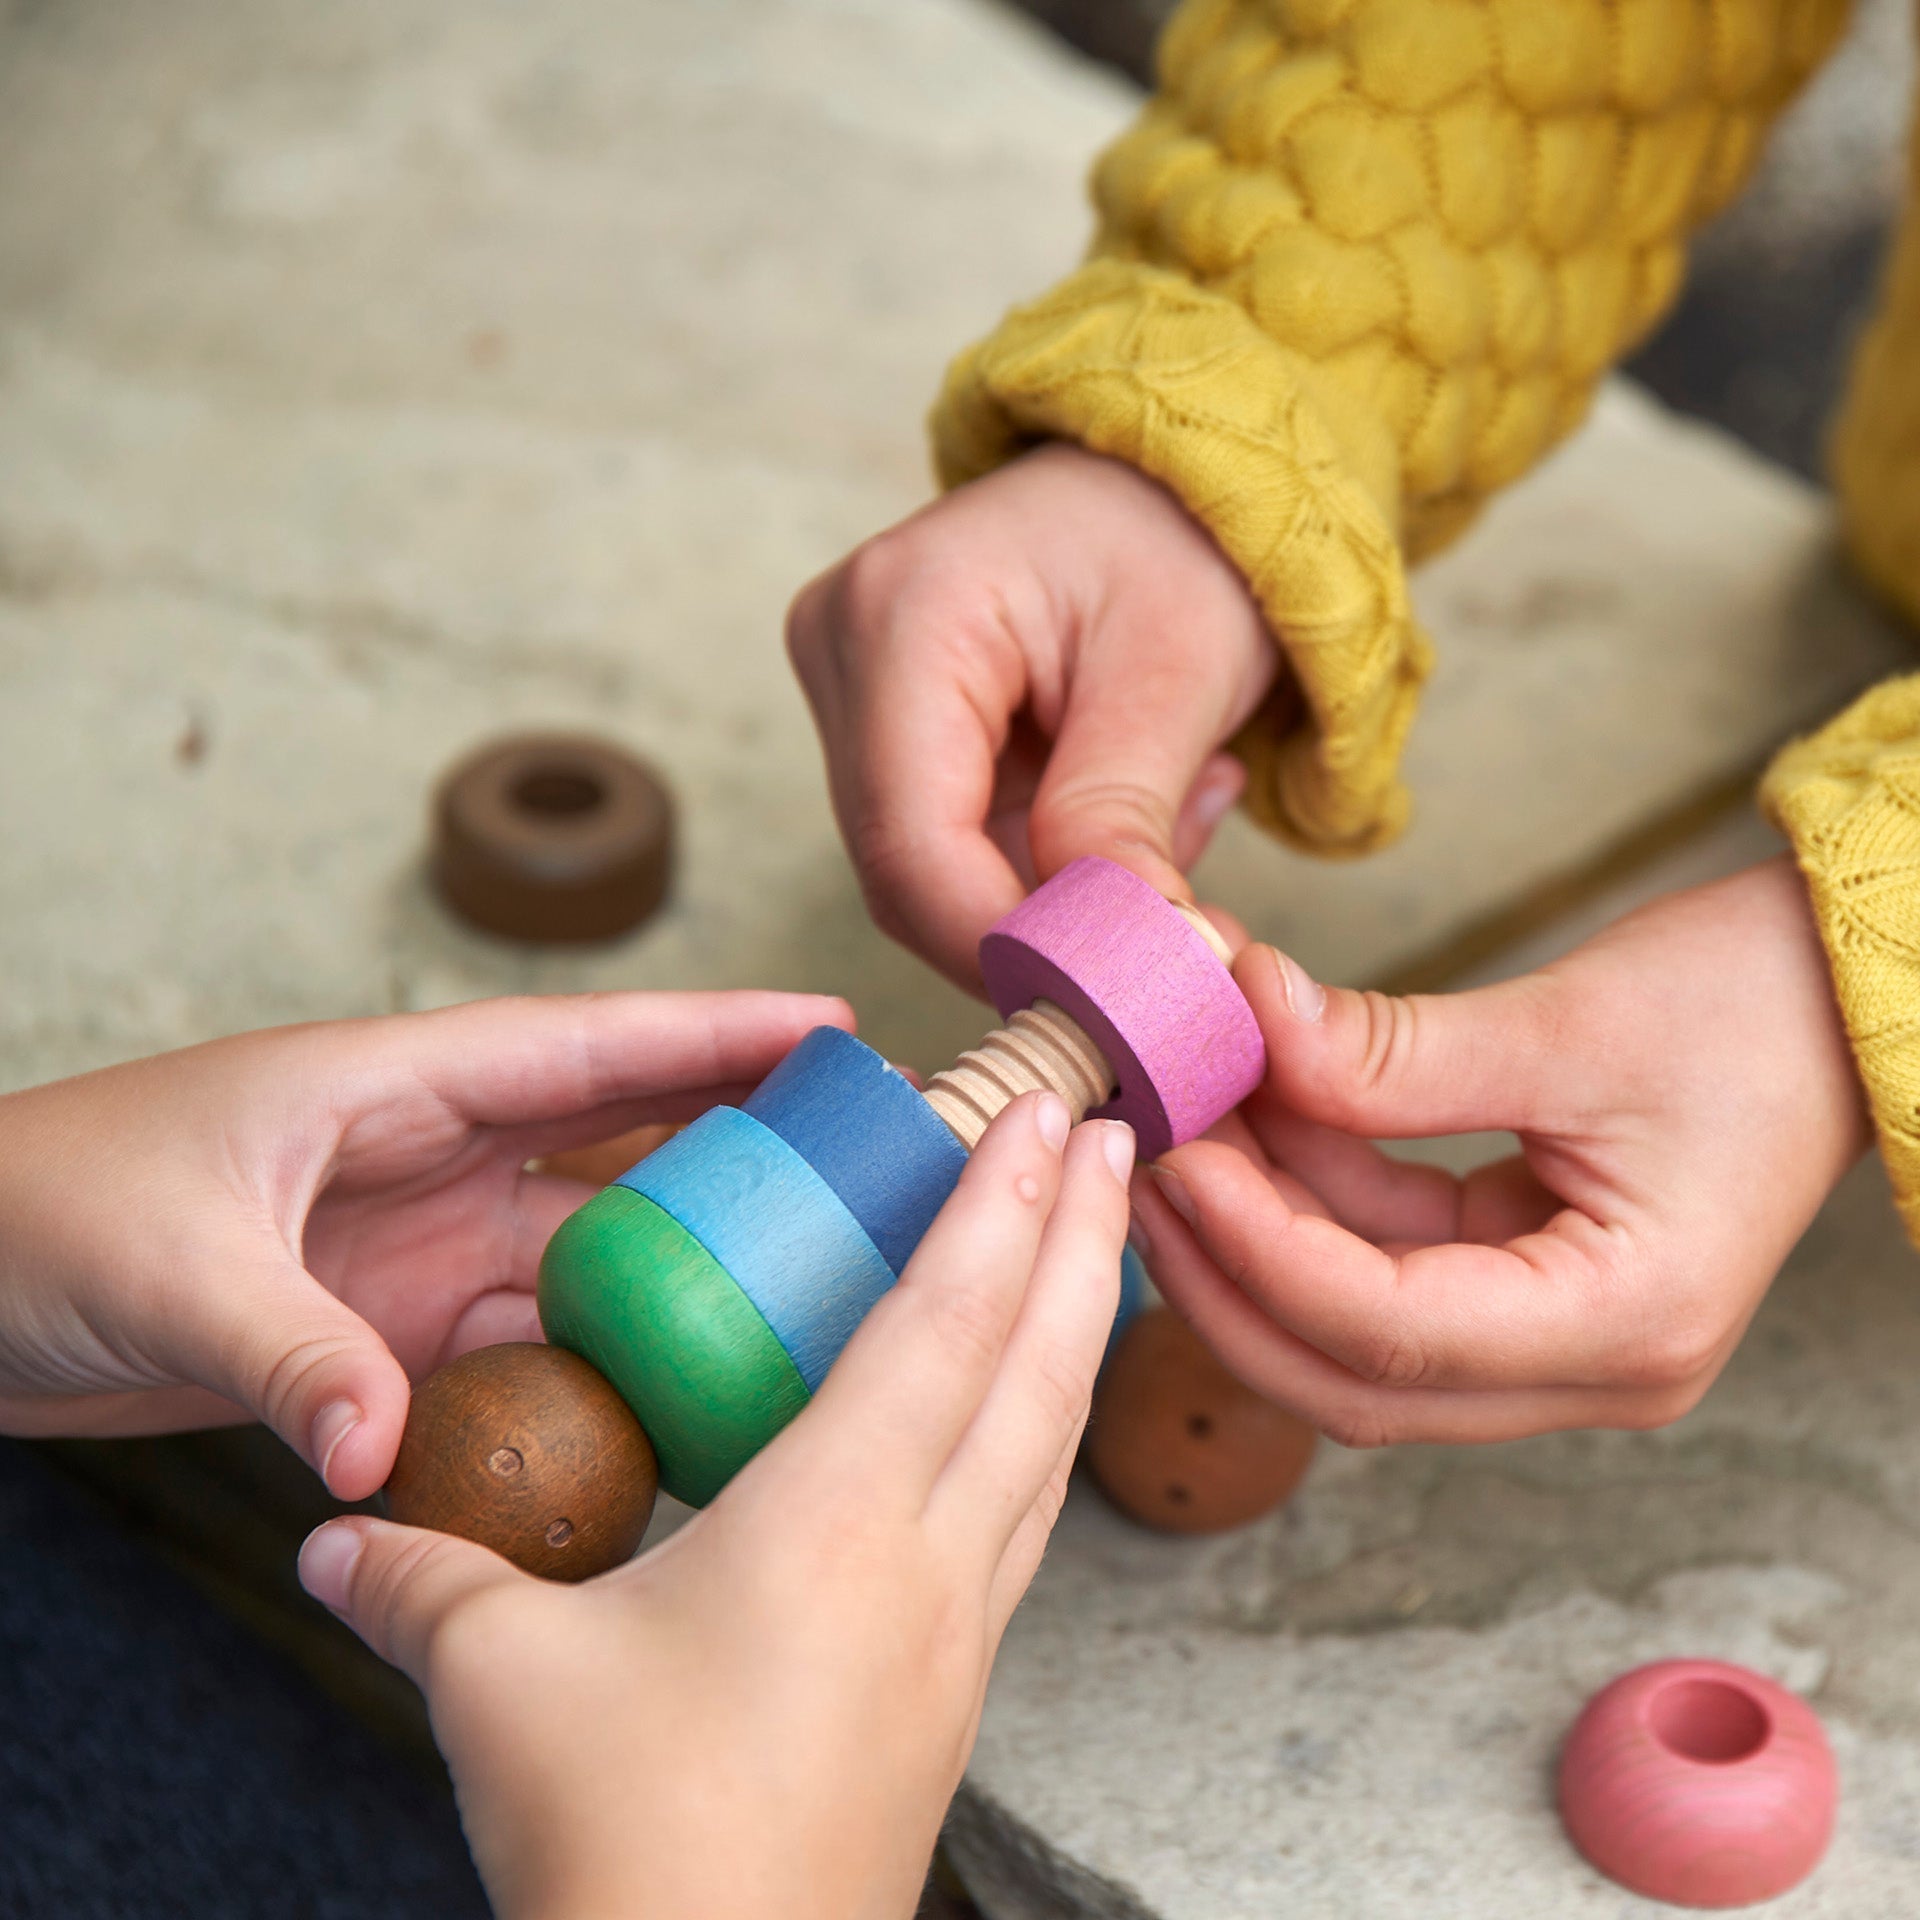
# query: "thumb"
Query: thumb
1391,1067
274,1340
395,1586
1135,776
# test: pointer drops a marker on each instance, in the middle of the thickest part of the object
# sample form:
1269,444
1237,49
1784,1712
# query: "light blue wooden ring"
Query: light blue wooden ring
1133,1296
868,1132
782,1233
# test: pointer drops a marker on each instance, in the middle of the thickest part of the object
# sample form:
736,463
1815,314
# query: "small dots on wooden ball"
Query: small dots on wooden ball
552,838
1178,1443
528,1450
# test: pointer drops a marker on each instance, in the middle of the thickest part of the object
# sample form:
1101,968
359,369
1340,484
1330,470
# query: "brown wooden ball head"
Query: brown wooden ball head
1178,1443
552,837
528,1450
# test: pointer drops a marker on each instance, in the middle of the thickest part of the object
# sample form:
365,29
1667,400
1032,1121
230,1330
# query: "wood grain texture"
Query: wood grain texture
1147,987
1178,1443
868,1132
528,1450
772,1223
1699,1782
632,1290
1039,1047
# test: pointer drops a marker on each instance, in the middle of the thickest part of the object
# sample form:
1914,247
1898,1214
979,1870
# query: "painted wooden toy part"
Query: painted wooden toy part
552,838
628,1287
529,1451
782,1233
602,1163
1178,1443
868,1132
1134,1295
1699,1783
1144,984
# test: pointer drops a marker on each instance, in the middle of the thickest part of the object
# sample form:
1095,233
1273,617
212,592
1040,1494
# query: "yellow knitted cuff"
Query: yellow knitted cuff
1360,263
1848,797
1296,483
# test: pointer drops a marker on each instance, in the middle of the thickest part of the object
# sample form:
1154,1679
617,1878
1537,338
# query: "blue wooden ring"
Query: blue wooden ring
868,1132
792,1248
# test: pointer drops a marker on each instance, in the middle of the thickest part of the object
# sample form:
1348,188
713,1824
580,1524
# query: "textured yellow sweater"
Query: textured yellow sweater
1361,262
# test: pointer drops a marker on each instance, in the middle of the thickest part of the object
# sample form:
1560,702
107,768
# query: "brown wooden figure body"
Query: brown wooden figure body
1178,1443
528,1450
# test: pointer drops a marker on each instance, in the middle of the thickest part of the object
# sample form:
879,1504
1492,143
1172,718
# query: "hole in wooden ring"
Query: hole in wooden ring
558,793
1711,1721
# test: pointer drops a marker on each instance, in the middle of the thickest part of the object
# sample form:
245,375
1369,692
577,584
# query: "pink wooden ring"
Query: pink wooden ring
1700,1783
1179,1036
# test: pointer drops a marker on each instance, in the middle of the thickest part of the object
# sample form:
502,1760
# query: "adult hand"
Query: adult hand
766,1716
1685,1099
285,1225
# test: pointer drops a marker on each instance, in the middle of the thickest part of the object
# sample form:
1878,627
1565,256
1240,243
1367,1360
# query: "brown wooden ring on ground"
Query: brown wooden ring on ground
1178,1443
552,837
528,1450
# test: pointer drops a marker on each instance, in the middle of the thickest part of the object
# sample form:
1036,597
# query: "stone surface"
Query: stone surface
373,379
1354,1708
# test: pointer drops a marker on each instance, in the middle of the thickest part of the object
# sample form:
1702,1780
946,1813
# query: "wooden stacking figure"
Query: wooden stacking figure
716,1282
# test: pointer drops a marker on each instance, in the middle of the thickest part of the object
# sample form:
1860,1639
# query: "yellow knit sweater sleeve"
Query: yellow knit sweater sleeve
1358,264
1849,800
1849,797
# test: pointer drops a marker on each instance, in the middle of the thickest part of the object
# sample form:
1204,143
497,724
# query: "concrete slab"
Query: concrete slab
372,378
1353,1708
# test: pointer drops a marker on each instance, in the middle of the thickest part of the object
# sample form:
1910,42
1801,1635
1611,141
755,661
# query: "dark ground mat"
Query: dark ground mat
159,1760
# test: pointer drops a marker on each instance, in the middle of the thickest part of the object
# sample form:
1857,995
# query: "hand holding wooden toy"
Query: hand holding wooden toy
716,1282
769,1713
1041,666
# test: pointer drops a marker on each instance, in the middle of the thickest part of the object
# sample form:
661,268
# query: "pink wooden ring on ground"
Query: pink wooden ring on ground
1151,994
1700,1783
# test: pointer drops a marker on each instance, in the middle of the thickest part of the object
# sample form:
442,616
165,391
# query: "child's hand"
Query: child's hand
1042,665
1685,1100
767,1715
283,1221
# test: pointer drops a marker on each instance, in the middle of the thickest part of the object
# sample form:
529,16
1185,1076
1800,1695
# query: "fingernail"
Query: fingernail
1216,794
1174,1191
331,1425
1052,1118
1305,997
327,1562
1116,1148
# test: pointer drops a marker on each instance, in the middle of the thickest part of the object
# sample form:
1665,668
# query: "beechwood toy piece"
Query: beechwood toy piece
1179,1443
552,838
714,1283
1700,1783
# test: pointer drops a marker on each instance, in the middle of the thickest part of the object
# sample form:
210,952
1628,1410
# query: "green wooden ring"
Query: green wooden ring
629,1289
